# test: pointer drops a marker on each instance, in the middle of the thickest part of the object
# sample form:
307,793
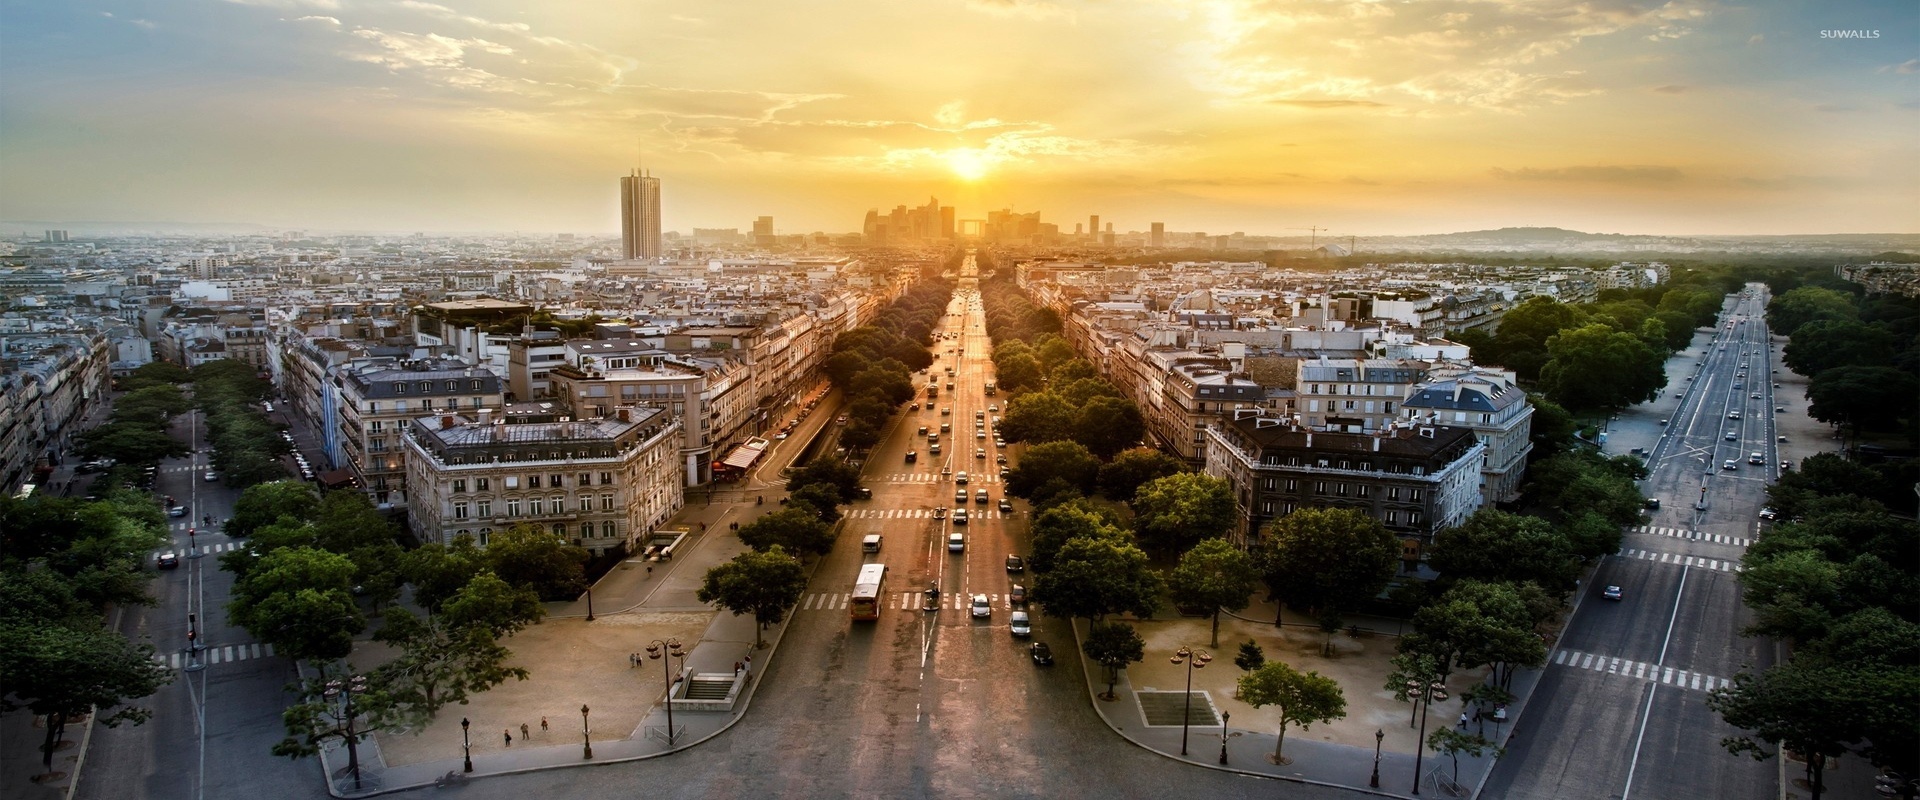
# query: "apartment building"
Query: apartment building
597,483
1414,479
48,385
1354,395
1489,403
378,397
712,397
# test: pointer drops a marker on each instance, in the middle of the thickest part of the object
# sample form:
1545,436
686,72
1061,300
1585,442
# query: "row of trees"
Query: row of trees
1599,357
63,562
768,580
1860,353
1840,583
136,435
246,446
873,365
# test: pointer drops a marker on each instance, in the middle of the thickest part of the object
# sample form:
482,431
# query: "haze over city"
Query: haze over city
1685,117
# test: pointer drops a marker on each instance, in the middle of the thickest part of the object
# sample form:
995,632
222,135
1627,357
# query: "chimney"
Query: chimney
485,415
623,413
446,422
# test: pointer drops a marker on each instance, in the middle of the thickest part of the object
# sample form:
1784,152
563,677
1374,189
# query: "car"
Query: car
1016,564
1041,654
1733,415
1611,593
946,411
1006,506
1739,385
956,542
912,456
211,476
1730,465
1000,458
995,408
1017,595
1756,458
946,427
1652,504
1020,625
1768,513
177,511
980,607
167,561
1754,396
980,453
959,516
999,442
840,420
1779,409
1733,435
933,449
960,478
960,496
863,493
980,496
1663,423
922,431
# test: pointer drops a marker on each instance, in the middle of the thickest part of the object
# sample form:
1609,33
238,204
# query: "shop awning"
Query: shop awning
743,456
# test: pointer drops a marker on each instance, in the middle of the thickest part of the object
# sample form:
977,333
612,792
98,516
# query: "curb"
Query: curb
1094,698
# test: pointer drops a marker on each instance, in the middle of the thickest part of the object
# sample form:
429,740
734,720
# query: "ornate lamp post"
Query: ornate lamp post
586,731
466,746
1194,659
1423,693
665,652
344,688
589,602
1378,736
1224,716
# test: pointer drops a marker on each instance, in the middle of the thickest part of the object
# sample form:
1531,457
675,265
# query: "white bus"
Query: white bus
867,591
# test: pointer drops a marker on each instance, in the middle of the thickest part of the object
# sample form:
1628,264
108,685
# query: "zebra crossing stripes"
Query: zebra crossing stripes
204,548
1716,564
1640,670
935,477
1696,536
905,601
216,655
976,512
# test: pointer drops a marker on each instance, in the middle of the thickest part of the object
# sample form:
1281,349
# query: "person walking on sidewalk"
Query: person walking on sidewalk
543,726
523,732
508,735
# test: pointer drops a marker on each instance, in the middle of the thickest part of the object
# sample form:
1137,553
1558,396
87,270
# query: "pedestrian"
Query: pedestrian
749,666
649,570
508,735
1463,719
523,731
632,661
736,668
543,726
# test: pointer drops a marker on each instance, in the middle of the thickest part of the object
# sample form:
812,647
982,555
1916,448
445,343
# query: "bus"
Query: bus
991,388
867,591
933,391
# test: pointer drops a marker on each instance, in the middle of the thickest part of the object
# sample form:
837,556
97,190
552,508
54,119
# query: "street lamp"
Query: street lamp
1423,693
344,688
665,652
466,745
1224,716
586,731
1194,659
1378,736
589,602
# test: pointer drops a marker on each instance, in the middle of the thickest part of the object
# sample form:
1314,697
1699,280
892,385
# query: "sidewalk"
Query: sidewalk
637,602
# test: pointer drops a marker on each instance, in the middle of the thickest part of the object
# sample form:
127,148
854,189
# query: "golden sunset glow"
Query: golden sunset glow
1683,116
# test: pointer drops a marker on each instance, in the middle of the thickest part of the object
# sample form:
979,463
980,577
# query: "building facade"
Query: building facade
1487,402
599,484
640,216
378,397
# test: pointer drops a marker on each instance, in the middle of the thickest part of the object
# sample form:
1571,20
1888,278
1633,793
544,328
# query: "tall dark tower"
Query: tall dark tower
640,215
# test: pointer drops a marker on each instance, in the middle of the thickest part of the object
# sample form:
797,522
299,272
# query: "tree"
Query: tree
1108,425
1120,478
843,477
130,443
1039,417
1017,371
1792,594
438,572
1075,519
1068,462
1865,398
447,659
764,584
1787,312
1174,512
1828,343
318,719
1113,645
1477,623
63,671
531,556
1302,698
1216,576
1452,742
797,529
1494,545
823,498
1326,557
264,504
1093,578
1596,367
154,373
303,624
1250,657
490,604
1551,428
1814,711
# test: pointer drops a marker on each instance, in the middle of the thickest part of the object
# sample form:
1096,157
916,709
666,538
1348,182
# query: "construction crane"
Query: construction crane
1314,238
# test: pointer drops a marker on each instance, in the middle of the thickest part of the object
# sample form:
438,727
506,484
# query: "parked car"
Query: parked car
1042,654
1768,513
1017,595
1016,564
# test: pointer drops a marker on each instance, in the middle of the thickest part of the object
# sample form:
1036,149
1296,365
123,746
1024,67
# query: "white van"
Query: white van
870,544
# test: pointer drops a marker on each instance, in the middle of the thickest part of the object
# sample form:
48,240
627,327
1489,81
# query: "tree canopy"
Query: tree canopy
763,584
1216,576
1302,698
1326,558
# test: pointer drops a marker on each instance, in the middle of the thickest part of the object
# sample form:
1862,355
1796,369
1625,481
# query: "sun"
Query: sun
969,164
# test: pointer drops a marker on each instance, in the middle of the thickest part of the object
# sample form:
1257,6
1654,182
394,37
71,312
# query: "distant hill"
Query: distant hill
1528,235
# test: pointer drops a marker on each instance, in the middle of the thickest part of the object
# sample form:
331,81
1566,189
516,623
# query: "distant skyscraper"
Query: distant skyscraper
1093,226
763,231
640,215
1159,234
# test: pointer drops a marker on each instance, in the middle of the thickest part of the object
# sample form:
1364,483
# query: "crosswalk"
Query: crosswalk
907,601
209,549
935,477
1640,670
1717,564
216,655
974,512
1697,536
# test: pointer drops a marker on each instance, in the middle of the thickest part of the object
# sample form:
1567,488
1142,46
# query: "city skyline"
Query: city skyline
1656,118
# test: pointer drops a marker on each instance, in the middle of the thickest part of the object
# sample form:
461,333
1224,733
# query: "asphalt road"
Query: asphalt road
1621,709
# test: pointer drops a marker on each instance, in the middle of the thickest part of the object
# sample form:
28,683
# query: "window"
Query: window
586,479
555,479
474,386
1293,485
606,502
400,406
559,504
1393,518
536,506
1266,508
560,530
1393,493
373,407
453,386
1269,484
477,403
1413,518
1389,406
399,388
533,481
606,529
513,506
1366,490
480,484
586,503
459,510
1349,405
1415,495
426,387
1319,487
484,533
374,426
459,484
485,508
1340,488
512,482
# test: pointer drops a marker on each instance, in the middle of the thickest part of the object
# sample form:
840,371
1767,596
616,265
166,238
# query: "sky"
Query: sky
1262,116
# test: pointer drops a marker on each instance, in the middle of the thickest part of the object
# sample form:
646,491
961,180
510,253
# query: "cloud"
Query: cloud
951,113
1302,103
1671,88
1907,67
332,21
1758,38
1439,53
1631,174
1032,9
325,4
